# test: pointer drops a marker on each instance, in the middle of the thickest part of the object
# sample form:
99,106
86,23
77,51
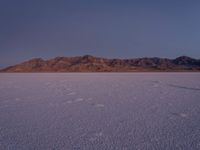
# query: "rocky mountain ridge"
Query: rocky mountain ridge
90,63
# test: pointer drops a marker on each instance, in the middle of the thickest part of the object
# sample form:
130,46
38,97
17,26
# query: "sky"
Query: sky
106,28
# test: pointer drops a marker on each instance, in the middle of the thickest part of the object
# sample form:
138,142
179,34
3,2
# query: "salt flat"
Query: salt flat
100,111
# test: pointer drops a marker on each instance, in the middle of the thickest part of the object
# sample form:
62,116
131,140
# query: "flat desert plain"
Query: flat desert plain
100,111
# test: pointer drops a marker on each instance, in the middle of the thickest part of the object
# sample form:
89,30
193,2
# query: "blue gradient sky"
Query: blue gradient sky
108,28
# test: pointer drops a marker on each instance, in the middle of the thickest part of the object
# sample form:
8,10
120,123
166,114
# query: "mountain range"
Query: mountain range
88,63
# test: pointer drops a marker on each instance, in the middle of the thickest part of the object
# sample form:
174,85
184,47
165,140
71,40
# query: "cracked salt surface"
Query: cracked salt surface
87,111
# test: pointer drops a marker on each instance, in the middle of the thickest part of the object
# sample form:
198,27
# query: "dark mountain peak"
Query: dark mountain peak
88,56
36,59
185,60
59,58
87,59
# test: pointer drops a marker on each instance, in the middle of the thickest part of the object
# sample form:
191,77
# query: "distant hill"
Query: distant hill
89,63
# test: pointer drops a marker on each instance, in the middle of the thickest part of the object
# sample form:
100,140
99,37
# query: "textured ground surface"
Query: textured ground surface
105,111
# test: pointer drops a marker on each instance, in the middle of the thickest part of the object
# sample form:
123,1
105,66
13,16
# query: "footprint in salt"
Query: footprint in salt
95,136
48,84
17,99
170,104
69,102
72,93
183,115
155,84
89,99
68,89
78,99
51,105
99,105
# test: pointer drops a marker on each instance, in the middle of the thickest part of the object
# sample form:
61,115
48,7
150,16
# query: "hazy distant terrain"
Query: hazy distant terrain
89,63
109,111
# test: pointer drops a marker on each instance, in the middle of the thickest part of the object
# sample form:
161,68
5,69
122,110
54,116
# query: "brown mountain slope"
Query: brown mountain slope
89,63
